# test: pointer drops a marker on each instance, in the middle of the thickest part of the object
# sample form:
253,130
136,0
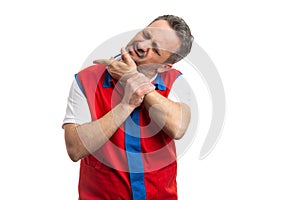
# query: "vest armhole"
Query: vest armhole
79,84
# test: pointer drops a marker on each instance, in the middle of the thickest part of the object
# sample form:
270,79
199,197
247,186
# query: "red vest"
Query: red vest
139,161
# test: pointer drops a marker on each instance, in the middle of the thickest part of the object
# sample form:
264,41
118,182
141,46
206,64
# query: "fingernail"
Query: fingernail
123,50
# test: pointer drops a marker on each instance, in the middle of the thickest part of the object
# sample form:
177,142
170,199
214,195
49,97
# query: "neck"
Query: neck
148,73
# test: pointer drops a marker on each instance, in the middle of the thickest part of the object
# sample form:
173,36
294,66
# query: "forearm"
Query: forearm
173,117
81,140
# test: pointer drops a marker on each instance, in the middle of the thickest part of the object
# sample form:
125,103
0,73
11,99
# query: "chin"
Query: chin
136,61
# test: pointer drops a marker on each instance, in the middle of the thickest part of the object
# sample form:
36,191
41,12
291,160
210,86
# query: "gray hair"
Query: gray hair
183,32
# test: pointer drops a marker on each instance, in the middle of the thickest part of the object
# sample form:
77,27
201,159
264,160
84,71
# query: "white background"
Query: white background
255,46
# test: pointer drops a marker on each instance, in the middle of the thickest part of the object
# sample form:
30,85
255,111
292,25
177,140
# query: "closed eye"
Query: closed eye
156,48
147,36
156,51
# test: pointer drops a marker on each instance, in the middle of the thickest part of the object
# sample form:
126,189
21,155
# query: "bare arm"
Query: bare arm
173,117
81,140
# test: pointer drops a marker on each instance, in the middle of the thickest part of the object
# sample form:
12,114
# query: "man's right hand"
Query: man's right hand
119,68
137,86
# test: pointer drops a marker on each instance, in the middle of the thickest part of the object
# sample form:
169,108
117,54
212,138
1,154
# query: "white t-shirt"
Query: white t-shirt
78,110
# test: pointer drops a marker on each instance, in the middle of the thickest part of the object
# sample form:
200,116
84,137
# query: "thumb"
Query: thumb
126,57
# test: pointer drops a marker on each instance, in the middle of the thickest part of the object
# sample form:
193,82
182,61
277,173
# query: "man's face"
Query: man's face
154,44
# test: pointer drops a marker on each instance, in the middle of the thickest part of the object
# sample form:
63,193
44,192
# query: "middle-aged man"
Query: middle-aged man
120,123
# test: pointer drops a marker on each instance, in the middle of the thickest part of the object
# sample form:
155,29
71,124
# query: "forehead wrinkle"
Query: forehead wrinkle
162,37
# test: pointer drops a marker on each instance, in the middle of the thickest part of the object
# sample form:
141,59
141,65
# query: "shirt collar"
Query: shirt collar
108,80
159,83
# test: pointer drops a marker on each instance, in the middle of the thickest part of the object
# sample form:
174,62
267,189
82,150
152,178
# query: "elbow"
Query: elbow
179,133
73,155
76,152
73,144
74,158
178,136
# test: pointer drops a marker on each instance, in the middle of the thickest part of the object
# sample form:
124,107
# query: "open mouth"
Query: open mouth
139,52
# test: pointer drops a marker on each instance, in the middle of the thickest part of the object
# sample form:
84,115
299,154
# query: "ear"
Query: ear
164,67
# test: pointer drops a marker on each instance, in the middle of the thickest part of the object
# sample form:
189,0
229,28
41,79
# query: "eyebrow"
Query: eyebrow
155,46
146,33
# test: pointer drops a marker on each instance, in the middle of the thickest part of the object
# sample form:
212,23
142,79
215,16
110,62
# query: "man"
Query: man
120,123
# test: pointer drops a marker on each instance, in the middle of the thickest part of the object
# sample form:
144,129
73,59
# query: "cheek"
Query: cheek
165,55
153,59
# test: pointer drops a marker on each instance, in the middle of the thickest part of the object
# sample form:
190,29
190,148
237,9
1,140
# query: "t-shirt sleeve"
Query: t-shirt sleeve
77,110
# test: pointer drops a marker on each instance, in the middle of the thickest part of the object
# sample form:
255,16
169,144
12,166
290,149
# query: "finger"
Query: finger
150,88
103,61
145,89
126,57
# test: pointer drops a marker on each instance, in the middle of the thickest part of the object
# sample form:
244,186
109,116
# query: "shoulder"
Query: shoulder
171,75
91,74
92,70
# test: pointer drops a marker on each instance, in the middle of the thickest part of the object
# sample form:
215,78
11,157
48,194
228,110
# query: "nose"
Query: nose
144,45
